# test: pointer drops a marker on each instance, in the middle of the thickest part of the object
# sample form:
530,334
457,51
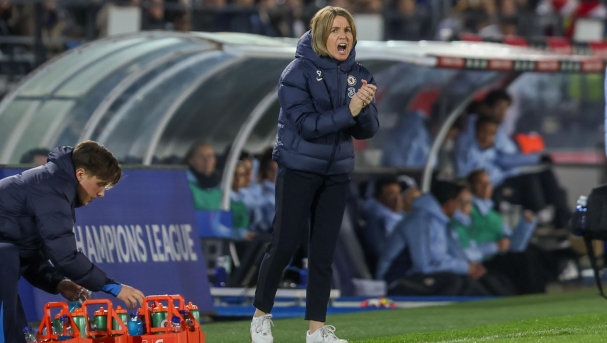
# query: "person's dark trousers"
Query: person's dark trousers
554,261
443,284
301,196
11,311
525,190
525,270
555,196
497,284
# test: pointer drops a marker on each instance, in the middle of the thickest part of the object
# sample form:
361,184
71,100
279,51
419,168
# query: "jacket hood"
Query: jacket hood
62,157
305,50
427,203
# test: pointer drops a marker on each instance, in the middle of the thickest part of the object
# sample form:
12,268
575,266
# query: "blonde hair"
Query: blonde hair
321,27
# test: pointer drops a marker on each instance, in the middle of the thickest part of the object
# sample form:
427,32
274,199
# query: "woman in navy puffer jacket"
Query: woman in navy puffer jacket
326,98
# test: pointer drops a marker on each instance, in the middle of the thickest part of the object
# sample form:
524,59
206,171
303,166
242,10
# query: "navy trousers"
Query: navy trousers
303,198
12,316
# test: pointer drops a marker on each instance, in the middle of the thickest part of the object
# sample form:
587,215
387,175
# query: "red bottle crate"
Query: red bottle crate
174,304
152,335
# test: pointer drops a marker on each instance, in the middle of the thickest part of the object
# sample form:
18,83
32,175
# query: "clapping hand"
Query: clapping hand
366,92
362,98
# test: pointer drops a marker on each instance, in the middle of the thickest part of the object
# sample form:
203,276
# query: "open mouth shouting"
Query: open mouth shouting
340,39
340,51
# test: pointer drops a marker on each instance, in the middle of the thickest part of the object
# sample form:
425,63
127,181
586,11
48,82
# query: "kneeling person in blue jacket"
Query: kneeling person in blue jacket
36,231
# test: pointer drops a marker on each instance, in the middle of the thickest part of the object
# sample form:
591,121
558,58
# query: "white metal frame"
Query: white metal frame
149,87
166,118
238,145
111,98
442,134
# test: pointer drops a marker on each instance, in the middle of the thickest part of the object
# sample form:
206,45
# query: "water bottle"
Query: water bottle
580,216
84,293
57,325
67,329
29,335
67,326
73,305
176,324
79,319
194,311
303,274
142,320
160,316
122,315
135,325
221,274
189,323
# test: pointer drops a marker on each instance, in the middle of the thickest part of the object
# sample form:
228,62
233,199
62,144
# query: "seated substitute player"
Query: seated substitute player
36,225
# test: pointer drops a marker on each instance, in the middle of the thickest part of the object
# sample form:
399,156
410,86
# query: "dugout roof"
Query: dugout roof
150,95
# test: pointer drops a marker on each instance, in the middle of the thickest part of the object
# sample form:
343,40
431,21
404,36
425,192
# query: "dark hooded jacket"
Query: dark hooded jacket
37,215
315,125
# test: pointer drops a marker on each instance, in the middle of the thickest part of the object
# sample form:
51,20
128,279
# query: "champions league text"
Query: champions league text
136,243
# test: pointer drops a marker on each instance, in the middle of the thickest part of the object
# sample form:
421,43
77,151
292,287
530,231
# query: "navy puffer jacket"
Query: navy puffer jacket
315,125
37,216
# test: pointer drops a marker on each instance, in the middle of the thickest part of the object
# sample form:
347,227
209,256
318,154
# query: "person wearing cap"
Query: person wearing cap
37,242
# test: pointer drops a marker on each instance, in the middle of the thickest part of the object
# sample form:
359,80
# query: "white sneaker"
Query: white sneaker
325,334
261,329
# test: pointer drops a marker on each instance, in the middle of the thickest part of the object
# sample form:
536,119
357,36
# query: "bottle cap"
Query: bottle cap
583,200
78,312
191,306
27,329
120,310
65,318
101,312
184,312
176,319
160,308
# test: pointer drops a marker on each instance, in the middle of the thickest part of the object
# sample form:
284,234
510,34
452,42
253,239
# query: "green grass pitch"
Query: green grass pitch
566,317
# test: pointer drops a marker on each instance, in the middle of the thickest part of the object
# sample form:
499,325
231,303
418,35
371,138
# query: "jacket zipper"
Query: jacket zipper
336,142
